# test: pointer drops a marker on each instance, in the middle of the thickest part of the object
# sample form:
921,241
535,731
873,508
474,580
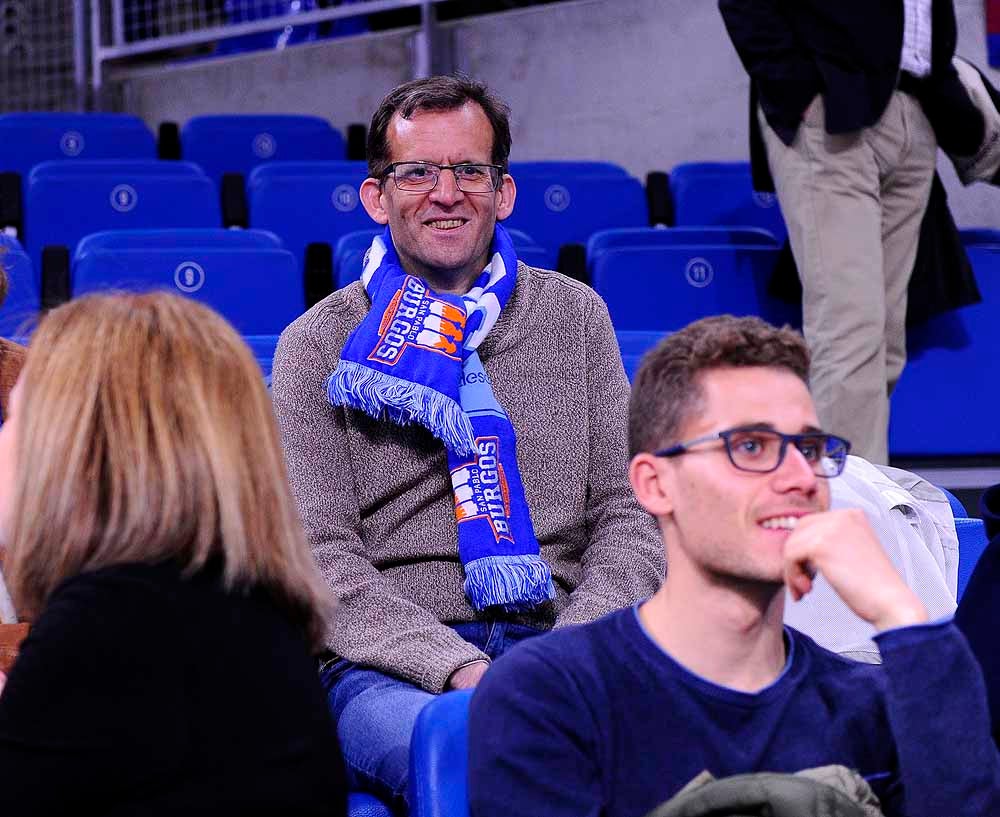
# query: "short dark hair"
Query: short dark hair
442,93
666,388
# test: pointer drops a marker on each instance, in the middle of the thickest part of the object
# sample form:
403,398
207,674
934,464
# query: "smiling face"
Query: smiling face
443,236
721,521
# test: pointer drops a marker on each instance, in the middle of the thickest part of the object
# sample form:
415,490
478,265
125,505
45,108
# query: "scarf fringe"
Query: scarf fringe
514,582
377,394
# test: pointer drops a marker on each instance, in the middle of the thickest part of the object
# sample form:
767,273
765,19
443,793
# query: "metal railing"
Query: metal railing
125,29
58,54
42,57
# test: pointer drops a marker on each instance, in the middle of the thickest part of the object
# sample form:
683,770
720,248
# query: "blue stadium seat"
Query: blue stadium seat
259,290
945,401
61,210
972,541
354,167
278,38
668,236
21,307
362,804
114,167
528,250
29,138
722,193
439,758
664,288
565,168
179,238
980,235
348,253
302,209
958,510
560,209
534,256
238,143
634,343
520,237
263,347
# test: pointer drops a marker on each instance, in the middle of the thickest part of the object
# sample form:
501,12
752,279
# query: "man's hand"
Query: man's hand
3,680
468,676
842,546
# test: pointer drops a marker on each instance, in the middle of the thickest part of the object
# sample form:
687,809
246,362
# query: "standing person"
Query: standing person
454,425
615,717
852,154
153,542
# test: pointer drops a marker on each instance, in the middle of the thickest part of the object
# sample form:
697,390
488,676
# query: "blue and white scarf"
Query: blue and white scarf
413,359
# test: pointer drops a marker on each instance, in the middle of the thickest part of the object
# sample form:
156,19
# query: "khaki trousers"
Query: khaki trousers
853,204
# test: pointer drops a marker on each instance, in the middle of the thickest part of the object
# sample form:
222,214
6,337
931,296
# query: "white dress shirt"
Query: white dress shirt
916,56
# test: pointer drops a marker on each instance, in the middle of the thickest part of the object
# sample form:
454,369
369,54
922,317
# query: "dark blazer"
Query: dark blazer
848,50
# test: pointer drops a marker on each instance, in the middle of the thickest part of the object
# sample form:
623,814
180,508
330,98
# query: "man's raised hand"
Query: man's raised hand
841,545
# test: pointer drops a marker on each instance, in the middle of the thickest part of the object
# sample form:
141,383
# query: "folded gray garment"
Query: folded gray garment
916,528
7,614
984,165
826,790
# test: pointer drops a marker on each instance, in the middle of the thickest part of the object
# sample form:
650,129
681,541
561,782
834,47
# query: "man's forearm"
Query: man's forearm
377,628
940,721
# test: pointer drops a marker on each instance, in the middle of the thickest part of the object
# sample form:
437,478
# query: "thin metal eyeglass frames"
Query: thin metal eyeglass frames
422,177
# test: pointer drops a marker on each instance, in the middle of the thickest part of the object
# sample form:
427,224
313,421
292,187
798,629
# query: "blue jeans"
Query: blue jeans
375,712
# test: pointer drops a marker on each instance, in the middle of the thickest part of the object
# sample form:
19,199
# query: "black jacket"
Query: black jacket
140,692
848,50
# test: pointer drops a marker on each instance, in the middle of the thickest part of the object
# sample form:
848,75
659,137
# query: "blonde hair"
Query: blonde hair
146,434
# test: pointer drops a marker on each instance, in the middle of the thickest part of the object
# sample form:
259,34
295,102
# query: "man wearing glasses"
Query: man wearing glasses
455,431
617,716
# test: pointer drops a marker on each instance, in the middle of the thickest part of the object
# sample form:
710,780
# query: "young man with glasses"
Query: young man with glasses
455,431
617,716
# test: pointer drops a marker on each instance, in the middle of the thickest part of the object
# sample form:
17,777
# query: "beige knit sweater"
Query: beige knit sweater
376,498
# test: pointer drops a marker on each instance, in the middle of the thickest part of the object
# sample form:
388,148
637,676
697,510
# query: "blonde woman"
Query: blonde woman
152,540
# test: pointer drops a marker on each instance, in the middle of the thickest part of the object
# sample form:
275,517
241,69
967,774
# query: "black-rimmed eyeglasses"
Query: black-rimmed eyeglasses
422,177
763,450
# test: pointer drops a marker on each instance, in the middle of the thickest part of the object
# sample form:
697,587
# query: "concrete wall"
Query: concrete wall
342,80
647,83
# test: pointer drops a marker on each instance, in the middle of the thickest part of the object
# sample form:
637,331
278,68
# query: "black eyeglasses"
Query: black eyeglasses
762,450
422,177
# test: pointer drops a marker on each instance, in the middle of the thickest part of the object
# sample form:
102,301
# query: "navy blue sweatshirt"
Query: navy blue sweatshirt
978,614
599,720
